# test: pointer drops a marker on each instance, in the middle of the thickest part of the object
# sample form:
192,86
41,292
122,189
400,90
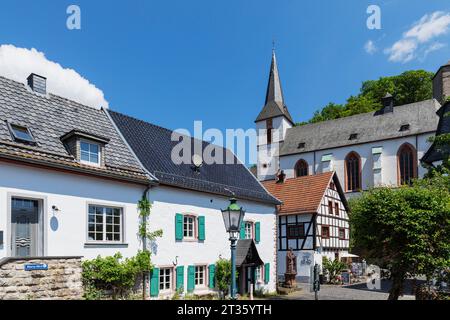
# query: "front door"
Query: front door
24,227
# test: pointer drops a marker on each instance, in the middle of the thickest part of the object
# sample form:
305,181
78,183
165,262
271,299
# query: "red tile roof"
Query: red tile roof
300,195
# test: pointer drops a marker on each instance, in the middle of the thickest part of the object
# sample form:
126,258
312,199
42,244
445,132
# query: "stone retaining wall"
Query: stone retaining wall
62,280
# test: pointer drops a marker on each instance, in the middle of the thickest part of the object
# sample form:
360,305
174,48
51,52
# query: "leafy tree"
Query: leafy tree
406,229
223,276
408,87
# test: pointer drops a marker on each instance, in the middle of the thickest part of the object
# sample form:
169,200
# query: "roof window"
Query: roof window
353,136
404,127
301,145
21,133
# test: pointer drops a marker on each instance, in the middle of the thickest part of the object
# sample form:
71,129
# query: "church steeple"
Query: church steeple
274,105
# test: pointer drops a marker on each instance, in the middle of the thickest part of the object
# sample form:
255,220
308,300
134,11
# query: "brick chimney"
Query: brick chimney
441,83
37,83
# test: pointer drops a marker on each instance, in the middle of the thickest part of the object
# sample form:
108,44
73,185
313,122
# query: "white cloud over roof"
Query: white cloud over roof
18,63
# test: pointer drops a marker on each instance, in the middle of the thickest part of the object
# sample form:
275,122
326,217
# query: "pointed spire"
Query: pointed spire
274,91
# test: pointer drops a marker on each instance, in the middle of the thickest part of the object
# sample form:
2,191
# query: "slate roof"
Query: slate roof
372,126
153,146
247,253
432,154
303,195
50,117
274,105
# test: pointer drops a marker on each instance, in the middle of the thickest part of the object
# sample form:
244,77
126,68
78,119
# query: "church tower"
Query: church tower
272,124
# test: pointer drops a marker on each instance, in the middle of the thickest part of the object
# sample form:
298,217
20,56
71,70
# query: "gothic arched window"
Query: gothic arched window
353,172
301,168
407,166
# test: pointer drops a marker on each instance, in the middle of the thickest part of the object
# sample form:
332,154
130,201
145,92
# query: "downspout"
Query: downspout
417,156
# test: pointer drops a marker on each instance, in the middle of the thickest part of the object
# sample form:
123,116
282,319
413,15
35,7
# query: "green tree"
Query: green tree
408,87
333,268
405,229
223,276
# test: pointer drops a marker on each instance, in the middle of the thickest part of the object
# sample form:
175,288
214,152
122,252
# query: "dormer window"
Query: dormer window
90,152
85,147
404,127
21,133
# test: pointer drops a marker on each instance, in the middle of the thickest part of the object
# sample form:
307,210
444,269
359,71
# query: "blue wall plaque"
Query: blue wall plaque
36,266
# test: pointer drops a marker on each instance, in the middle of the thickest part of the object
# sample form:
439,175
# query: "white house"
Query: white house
186,205
365,150
312,221
68,184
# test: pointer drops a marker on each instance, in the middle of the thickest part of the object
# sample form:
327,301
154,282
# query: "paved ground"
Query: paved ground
353,292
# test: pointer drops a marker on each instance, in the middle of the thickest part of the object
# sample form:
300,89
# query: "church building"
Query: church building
380,148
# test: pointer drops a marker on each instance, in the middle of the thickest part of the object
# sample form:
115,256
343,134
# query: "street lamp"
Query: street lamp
232,217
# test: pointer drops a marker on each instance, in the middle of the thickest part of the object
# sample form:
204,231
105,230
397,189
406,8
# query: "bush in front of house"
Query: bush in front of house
113,276
332,268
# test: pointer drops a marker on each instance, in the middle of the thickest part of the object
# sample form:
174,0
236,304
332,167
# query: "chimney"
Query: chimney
37,83
441,83
388,103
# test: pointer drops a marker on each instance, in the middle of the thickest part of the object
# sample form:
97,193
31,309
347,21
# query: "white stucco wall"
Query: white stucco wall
167,202
66,233
388,159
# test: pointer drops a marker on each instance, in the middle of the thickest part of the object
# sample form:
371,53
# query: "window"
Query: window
301,168
200,276
21,133
332,186
406,164
90,152
165,279
301,145
188,226
353,136
325,232
336,208
296,231
342,233
330,207
104,224
257,273
248,230
353,172
404,127
269,125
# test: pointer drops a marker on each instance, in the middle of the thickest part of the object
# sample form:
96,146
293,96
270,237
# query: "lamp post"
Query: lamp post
232,217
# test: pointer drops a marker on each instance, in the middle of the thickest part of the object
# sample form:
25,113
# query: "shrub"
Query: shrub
333,268
223,276
113,274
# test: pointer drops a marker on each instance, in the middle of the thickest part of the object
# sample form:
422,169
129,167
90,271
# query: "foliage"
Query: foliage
406,229
223,275
408,87
113,274
333,268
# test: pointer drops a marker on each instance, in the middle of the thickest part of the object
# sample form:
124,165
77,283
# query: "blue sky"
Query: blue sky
173,62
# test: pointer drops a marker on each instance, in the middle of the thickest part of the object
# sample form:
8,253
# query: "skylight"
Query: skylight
21,133
404,127
301,145
353,136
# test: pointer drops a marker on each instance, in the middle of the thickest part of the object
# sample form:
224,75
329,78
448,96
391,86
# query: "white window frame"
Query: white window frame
249,231
104,224
194,228
203,284
258,273
164,283
99,155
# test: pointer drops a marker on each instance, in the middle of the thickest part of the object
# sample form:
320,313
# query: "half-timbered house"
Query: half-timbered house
312,221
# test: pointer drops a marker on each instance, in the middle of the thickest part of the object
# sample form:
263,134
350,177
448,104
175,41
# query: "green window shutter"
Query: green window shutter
154,282
212,276
191,279
201,228
180,278
242,235
257,232
179,226
266,273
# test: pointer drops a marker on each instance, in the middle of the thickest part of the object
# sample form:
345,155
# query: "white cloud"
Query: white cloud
429,27
18,63
370,47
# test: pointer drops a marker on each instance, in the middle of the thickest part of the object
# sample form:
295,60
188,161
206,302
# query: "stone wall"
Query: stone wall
62,280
